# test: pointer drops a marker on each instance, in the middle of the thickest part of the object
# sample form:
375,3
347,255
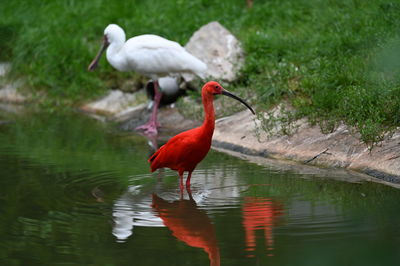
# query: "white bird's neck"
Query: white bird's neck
115,57
116,37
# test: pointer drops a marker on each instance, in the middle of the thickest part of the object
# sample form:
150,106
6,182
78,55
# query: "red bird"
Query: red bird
184,151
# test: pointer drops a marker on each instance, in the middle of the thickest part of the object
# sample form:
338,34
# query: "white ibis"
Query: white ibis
151,56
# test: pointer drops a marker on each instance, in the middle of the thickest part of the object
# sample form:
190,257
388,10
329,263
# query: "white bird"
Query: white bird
151,56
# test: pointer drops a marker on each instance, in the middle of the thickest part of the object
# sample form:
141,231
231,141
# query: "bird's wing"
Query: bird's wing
149,41
154,55
183,149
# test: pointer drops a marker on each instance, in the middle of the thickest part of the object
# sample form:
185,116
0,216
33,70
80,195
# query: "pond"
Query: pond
74,191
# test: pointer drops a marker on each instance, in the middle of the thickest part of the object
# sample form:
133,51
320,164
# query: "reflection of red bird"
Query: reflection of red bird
260,213
184,151
189,224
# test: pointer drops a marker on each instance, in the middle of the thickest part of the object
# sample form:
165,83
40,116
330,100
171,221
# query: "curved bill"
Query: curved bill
95,61
227,93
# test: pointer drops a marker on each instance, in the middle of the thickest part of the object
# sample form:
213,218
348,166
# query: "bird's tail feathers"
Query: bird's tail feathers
153,162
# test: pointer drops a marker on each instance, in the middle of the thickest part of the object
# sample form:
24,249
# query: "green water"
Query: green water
74,191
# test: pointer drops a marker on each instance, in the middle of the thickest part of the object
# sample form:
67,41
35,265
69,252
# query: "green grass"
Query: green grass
333,60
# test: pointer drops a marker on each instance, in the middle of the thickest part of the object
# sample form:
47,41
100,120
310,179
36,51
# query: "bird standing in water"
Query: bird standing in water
151,56
184,151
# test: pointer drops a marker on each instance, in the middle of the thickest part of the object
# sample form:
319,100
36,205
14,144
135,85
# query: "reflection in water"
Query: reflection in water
152,140
130,210
189,224
51,166
260,214
210,190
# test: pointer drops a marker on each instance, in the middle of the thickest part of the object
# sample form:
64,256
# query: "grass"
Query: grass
334,61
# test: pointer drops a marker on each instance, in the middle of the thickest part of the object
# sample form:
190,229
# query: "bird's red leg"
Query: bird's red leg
181,181
188,182
150,128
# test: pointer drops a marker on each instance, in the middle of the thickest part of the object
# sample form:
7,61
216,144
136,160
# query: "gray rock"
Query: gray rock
130,113
10,94
219,49
11,108
4,68
11,99
115,102
172,122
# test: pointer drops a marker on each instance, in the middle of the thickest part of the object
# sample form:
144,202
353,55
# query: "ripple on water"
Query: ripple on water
313,221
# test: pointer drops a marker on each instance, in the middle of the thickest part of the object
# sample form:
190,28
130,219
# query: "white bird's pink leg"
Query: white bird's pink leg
150,128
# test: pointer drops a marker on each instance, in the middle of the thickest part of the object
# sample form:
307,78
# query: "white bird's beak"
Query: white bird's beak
95,61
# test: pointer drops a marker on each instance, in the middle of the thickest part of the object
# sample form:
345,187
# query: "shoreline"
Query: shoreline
309,146
240,135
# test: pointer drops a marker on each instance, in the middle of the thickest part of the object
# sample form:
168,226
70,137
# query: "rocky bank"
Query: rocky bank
308,145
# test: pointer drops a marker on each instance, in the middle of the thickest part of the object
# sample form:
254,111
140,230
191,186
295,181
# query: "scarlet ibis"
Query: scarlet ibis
149,55
184,151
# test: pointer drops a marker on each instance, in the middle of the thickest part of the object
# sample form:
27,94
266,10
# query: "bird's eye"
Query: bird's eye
216,86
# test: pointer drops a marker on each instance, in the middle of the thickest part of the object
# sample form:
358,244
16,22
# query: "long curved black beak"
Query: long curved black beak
95,61
227,93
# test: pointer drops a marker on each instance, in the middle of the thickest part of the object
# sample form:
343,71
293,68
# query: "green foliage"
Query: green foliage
333,60
53,42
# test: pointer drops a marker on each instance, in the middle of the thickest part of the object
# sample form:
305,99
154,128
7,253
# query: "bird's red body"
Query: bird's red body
184,151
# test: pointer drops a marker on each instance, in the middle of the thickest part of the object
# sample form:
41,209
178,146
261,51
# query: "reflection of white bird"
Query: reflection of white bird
149,55
132,209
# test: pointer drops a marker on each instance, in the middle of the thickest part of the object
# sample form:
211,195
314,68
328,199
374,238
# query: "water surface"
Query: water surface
74,191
